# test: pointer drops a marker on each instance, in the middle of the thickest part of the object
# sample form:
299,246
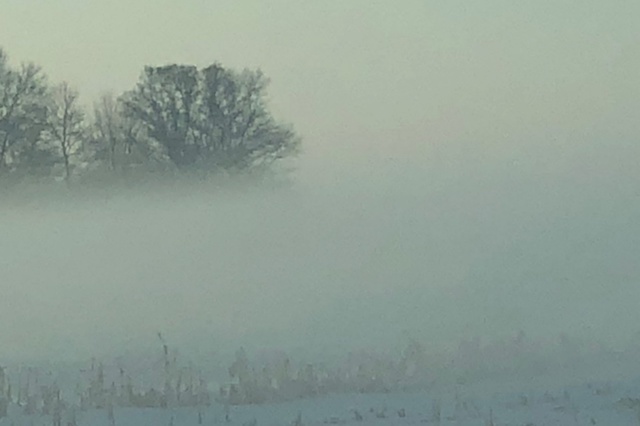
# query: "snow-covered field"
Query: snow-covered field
608,403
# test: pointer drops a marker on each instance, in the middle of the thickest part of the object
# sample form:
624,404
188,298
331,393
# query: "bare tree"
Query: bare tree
66,124
107,127
211,119
115,138
235,121
23,98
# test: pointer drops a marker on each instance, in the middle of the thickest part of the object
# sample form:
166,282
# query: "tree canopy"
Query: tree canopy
209,119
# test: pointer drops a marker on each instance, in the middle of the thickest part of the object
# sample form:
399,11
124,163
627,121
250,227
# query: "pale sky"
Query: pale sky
460,159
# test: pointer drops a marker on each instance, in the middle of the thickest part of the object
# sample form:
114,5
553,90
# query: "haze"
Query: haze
467,169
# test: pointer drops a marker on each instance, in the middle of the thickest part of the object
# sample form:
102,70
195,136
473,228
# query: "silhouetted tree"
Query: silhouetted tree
107,129
212,119
66,124
115,138
23,118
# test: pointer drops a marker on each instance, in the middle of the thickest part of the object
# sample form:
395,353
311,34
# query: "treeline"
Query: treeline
178,119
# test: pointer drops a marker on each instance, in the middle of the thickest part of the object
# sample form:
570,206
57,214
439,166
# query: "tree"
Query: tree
66,124
106,125
23,118
165,102
212,119
239,130
115,138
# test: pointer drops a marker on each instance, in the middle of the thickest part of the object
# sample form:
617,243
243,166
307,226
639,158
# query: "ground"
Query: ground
609,403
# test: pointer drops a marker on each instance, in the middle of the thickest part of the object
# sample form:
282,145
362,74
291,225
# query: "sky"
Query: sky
367,81
474,154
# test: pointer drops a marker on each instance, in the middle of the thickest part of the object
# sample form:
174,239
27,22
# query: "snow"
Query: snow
608,403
